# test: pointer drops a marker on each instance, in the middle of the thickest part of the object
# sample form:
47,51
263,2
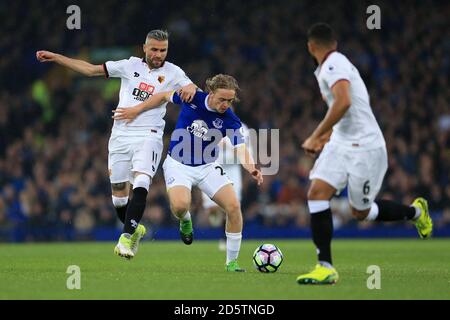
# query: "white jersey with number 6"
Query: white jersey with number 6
356,154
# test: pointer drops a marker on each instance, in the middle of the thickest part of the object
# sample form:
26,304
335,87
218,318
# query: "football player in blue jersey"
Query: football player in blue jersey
201,125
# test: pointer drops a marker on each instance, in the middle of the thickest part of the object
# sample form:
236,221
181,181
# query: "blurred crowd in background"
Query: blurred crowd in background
55,124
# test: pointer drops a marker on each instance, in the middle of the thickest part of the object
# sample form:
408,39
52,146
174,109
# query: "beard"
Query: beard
154,65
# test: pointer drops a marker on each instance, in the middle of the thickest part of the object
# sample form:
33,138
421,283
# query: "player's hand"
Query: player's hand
257,175
326,137
45,56
128,114
187,92
313,145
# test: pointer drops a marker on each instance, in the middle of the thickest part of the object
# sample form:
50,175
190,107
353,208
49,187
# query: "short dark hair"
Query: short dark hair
160,35
321,33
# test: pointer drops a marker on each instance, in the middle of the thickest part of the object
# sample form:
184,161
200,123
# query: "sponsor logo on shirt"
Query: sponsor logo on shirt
143,91
199,129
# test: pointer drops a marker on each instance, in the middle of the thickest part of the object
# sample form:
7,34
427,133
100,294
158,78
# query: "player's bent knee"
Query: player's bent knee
120,189
179,207
360,215
233,207
320,190
234,218
317,194
118,186
233,212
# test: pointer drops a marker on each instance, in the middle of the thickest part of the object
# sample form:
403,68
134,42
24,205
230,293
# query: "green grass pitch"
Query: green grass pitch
410,269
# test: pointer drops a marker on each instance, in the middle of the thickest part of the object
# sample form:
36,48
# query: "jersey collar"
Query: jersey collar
207,107
327,55
317,71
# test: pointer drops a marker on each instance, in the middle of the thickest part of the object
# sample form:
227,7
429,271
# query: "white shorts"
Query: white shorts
362,170
129,154
209,177
234,173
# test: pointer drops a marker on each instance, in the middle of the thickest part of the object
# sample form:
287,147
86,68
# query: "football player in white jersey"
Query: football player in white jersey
352,153
135,148
232,168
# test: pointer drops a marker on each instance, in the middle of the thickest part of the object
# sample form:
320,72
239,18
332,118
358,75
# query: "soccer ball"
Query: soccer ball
267,258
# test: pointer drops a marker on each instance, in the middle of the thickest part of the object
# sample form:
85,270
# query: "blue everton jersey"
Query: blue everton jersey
199,129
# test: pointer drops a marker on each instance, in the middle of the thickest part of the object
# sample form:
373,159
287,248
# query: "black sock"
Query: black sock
322,232
224,225
121,212
391,211
135,210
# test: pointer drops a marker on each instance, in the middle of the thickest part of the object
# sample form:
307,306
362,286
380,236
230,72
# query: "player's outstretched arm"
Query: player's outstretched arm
247,161
80,66
129,114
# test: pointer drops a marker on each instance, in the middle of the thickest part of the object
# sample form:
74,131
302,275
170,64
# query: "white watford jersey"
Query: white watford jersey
139,82
358,127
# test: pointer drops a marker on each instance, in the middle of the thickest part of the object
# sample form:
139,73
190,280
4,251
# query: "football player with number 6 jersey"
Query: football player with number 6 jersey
352,154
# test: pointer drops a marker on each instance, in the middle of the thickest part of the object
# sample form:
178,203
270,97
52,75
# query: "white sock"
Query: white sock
119,202
233,245
373,213
187,216
326,264
318,205
142,181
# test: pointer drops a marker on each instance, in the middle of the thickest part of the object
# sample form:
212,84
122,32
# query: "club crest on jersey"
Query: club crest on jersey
199,129
218,123
161,79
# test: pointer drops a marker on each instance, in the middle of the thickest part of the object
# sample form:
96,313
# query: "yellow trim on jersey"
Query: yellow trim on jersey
171,95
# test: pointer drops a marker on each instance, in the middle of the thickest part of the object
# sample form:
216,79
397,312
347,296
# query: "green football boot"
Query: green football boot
320,275
186,231
123,247
233,266
138,234
424,224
